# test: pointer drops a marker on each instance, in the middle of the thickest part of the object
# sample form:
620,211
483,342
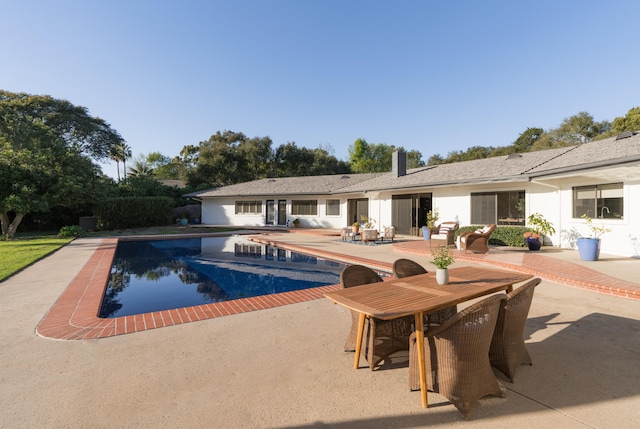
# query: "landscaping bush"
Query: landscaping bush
71,231
502,235
134,212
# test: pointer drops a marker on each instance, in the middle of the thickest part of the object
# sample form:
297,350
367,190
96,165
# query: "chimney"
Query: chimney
399,164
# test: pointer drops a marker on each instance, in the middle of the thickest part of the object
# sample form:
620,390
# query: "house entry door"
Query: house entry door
282,212
356,208
271,212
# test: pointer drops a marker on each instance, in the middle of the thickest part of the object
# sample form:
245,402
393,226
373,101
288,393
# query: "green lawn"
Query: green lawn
20,253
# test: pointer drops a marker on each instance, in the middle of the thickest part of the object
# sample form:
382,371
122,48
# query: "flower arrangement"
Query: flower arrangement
596,231
532,235
442,258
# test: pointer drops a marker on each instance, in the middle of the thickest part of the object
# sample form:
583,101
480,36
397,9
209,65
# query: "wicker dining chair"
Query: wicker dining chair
382,337
405,268
507,351
457,356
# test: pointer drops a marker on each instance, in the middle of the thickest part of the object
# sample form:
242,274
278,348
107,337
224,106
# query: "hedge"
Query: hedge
502,235
134,212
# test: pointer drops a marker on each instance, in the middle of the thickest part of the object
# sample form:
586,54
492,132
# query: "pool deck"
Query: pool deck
279,363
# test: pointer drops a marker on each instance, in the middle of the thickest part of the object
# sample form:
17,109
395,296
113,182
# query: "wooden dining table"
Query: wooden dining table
419,295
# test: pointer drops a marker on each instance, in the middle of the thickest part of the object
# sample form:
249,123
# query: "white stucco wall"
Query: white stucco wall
624,238
221,211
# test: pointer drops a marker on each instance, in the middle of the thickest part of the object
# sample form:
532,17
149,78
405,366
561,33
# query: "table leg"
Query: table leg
361,318
421,366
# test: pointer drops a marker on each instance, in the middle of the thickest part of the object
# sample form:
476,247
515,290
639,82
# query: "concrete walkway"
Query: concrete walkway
284,367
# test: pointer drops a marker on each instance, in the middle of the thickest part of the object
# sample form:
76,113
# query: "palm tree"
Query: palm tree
126,154
114,155
120,152
141,169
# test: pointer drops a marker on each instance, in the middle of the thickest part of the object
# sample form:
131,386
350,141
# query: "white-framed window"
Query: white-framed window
249,207
333,208
604,201
304,207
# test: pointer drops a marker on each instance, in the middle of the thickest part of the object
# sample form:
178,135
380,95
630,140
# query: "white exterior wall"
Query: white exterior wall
221,211
453,204
624,238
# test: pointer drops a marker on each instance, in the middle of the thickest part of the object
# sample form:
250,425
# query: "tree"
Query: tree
629,122
228,158
292,161
47,146
580,128
73,124
527,139
377,158
141,169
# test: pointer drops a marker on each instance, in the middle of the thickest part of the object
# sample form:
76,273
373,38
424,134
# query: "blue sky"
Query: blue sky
429,76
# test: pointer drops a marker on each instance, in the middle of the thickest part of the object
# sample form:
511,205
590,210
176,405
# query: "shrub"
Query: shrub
71,231
502,235
134,212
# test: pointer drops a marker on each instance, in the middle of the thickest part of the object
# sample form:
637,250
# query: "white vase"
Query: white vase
442,276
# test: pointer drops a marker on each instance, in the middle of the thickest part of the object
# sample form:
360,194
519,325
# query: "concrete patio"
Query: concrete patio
285,368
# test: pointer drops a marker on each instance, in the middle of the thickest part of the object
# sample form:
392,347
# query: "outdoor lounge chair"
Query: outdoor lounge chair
368,234
406,268
382,337
457,356
477,241
443,234
345,233
507,350
389,233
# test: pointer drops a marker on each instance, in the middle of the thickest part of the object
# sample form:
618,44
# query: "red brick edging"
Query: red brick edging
74,316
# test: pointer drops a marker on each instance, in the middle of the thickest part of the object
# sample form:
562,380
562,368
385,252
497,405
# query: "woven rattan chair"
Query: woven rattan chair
406,268
477,241
382,337
457,356
507,350
444,235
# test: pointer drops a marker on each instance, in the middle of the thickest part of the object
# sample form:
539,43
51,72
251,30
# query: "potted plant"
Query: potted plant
589,247
432,218
367,222
540,227
355,227
442,259
296,223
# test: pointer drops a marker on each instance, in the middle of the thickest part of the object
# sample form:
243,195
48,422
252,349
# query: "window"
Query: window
333,208
248,207
304,207
501,208
599,201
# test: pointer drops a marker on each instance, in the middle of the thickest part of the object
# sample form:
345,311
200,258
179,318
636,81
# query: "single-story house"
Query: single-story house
600,179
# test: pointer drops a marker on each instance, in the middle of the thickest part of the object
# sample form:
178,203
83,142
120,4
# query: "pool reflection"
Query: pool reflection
160,275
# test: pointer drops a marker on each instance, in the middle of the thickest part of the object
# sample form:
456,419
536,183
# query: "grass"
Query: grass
19,253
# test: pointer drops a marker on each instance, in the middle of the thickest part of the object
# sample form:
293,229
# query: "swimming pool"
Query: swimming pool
154,275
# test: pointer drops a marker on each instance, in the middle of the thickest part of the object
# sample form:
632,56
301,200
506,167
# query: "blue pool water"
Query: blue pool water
154,275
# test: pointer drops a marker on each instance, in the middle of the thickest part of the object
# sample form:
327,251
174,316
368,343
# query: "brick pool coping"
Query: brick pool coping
74,316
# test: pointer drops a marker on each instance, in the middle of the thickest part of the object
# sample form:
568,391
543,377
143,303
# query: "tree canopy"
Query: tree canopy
231,157
47,146
376,158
